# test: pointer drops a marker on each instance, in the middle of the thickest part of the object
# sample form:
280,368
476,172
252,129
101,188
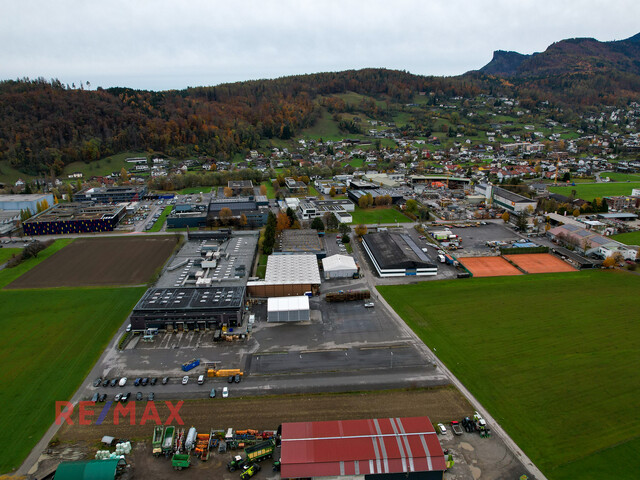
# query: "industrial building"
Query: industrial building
312,208
188,215
25,202
110,194
385,448
74,218
248,206
287,275
299,241
189,308
239,187
438,180
355,195
397,255
288,309
339,266
501,198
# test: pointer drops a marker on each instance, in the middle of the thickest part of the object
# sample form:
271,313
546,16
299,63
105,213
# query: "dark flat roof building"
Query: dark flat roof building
397,255
189,308
110,194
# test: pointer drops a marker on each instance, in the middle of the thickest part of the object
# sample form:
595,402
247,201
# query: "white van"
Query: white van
200,379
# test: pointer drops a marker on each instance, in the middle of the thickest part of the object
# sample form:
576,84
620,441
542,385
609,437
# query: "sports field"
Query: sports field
101,261
540,263
51,340
377,215
553,357
589,191
488,266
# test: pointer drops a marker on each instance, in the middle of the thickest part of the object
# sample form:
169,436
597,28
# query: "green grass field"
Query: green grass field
593,190
261,271
631,238
104,166
621,177
10,175
377,215
553,357
7,253
325,128
52,338
163,218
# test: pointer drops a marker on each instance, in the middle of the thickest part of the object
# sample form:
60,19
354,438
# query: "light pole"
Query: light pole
391,359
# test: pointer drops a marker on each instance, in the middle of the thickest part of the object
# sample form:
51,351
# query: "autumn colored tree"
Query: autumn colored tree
228,192
225,215
332,192
243,220
505,217
365,201
263,189
282,221
360,230
609,262
124,176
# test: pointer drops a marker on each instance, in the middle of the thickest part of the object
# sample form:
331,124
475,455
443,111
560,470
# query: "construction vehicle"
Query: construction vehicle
250,471
481,425
167,441
180,461
191,364
254,453
156,443
348,296
455,426
180,437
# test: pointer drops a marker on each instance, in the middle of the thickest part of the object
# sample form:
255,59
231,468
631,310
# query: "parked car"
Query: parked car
129,328
103,397
185,379
97,382
212,393
165,380
139,396
123,381
442,429
144,381
105,382
369,305
95,397
125,397
151,397
114,382
117,397
230,379
153,380
237,378
225,392
137,381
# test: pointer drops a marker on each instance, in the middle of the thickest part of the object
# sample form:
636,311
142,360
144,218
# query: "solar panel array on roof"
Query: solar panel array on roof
191,298
360,447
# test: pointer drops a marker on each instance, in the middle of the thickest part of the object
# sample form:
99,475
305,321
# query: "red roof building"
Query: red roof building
383,446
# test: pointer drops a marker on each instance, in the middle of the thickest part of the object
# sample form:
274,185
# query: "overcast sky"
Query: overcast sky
166,44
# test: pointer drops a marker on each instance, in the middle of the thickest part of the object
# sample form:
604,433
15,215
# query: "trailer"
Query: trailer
158,434
224,372
202,446
180,461
455,426
191,364
253,453
167,441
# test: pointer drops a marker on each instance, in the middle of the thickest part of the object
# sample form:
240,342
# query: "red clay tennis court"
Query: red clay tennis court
540,263
489,266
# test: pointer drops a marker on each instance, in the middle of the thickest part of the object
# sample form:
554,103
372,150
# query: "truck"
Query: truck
180,461
253,453
250,471
223,372
167,441
191,364
156,444
456,427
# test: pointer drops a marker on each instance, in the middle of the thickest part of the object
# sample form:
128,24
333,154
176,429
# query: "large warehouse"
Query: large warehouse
74,218
397,255
288,309
385,448
188,308
110,194
287,275
24,202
